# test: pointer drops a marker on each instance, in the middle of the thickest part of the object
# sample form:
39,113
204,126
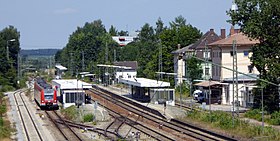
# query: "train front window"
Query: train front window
48,96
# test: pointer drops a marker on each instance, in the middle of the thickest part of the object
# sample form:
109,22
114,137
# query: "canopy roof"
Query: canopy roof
60,67
209,83
144,82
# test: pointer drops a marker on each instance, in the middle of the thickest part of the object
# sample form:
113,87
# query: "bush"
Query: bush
70,112
254,114
7,88
1,122
2,109
223,120
5,129
88,117
275,118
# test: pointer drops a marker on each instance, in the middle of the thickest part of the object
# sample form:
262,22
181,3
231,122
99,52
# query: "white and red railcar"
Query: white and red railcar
45,95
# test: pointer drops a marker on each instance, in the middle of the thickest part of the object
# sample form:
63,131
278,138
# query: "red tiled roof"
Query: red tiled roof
240,38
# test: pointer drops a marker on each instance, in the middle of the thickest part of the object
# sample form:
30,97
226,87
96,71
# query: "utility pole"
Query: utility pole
106,62
18,67
207,76
8,50
83,61
71,63
235,77
115,55
160,60
278,86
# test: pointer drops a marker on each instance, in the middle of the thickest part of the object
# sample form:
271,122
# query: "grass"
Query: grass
5,129
88,117
5,126
272,119
222,122
70,113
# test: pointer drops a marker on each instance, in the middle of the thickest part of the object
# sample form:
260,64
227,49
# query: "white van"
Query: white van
197,94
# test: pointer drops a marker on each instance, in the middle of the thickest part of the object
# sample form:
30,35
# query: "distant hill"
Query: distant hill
38,52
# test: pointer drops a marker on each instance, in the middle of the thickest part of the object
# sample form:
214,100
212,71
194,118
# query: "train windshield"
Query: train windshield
47,96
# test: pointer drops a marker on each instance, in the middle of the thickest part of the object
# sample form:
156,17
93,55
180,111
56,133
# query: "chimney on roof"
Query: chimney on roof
223,33
211,30
179,46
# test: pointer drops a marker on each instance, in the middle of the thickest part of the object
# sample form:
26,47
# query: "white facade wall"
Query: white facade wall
242,62
226,60
126,74
179,67
228,99
204,66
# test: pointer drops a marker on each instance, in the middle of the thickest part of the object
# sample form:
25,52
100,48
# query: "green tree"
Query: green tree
178,33
194,68
88,42
159,27
147,49
113,31
123,33
259,19
9,39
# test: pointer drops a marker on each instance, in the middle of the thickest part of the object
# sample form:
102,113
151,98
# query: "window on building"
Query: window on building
246,53
206,54
207,71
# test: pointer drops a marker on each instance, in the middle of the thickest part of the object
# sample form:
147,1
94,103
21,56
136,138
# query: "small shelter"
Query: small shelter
59,69
148,90
71,91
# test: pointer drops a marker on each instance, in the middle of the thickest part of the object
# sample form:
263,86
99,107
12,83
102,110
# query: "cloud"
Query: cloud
65,11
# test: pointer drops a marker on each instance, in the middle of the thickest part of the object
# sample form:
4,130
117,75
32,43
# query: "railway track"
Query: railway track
30,128
187,108
67,132
137,123
100,131
176,129
127,119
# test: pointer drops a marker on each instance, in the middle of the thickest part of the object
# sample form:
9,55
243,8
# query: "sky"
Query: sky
49,23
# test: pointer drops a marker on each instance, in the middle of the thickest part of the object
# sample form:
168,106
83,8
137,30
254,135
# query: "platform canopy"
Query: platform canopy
144,82
71,84
113,66
60,67
209,83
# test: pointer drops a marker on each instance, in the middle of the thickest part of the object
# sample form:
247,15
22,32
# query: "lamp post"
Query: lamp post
209,94
12,40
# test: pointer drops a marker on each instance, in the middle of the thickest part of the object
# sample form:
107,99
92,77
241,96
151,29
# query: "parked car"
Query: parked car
202,96
197,94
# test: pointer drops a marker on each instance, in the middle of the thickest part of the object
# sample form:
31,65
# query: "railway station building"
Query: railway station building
71,91
148,90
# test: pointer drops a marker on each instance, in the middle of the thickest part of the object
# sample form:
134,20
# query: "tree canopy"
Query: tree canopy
86,47
98,46
259,19
9,49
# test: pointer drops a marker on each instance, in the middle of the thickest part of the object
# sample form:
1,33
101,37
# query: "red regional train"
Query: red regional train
44,95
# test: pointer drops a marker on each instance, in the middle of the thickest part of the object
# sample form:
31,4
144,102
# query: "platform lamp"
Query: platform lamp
12,40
